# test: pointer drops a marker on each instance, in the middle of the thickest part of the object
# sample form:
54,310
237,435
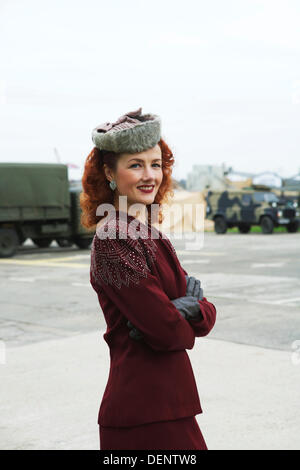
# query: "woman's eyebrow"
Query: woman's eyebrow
141,160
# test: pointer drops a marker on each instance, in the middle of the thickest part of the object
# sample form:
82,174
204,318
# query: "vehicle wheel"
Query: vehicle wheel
42,242
292,227
220,225
267,224
244,228
64,242
9,242
83,243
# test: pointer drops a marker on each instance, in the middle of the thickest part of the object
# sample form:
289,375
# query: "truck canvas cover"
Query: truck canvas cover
34,190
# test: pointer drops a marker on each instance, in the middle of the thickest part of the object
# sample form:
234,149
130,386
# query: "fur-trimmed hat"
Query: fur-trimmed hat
131,133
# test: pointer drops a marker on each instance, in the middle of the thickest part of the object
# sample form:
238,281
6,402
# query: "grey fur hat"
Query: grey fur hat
131,133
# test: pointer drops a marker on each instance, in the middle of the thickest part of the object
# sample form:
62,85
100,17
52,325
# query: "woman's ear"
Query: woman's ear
107,172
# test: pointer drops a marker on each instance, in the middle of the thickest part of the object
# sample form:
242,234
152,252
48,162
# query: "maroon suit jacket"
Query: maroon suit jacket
135,279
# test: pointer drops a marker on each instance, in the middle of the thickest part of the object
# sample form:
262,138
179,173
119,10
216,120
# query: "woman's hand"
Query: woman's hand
134,333
188,307
193,287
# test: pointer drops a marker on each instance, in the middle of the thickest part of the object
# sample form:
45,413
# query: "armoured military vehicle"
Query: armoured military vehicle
37,201
247,207
288,197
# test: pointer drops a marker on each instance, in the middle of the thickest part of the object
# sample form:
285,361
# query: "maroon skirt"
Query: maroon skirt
179,434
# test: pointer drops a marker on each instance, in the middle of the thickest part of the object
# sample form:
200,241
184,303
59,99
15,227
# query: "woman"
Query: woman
153,309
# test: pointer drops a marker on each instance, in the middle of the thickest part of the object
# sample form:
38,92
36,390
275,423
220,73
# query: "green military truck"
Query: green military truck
244,208
37,201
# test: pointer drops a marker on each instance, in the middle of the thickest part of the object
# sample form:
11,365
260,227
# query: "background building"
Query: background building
204,177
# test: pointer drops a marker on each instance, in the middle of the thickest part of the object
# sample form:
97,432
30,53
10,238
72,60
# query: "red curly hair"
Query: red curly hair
96,189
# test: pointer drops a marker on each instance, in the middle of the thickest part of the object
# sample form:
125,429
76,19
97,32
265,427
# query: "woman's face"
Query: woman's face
136,170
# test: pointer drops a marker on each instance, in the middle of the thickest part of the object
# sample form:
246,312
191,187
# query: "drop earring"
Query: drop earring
112,185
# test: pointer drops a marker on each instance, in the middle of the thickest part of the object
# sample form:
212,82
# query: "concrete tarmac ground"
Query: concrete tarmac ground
54,362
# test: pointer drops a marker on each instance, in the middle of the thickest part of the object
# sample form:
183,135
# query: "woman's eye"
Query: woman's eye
138,164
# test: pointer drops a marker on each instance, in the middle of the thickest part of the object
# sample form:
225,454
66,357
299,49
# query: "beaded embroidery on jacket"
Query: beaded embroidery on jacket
120,254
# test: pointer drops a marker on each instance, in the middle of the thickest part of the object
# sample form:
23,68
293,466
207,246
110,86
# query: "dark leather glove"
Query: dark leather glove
188,307
134,333
193,287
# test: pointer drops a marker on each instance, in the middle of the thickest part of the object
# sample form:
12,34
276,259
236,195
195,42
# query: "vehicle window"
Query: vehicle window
259,197
271,197
246,199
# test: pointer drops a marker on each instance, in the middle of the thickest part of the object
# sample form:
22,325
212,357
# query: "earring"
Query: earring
113,185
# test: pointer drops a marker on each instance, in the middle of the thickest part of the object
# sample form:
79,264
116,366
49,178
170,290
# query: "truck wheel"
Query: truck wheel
244,228
220,225
292,227
64,242
42,242
83,243
9,242
267,224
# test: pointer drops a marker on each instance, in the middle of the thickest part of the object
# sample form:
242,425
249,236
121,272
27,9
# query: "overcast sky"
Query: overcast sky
223,75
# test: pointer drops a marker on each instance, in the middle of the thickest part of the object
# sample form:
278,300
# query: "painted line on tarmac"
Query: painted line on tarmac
42,263
84,284
268,265
283,301
195,261
256,301
206,253
34,279
66,258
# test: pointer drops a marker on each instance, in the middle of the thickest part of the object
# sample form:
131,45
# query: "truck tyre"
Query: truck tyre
245,228
83,243
64,242
9,242
292,227
220,225
267,224
42,242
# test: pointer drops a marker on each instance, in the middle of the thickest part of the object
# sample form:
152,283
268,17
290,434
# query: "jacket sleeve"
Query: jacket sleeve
203,326
207,321
119,268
